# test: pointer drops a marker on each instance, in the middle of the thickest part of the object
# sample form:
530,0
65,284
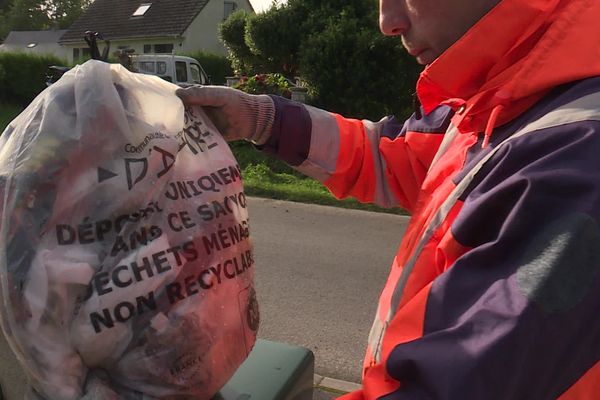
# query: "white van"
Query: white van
181,70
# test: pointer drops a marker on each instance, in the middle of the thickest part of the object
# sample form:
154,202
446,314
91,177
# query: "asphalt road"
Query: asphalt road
319,272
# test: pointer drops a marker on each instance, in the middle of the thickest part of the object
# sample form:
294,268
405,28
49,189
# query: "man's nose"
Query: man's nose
392,18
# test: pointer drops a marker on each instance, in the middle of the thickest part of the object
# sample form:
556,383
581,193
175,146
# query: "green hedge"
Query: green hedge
216,66
23,76
7,113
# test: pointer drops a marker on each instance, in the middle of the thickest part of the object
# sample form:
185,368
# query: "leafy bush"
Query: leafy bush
275,38
23,76
215,65
265,84
374,78
232,32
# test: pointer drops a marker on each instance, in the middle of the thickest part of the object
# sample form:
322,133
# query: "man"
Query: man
495,290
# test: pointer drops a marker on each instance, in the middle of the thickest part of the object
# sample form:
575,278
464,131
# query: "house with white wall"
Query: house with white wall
153,26
35,42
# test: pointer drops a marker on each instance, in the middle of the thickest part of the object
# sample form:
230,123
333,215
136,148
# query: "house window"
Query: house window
230,7
81,53
163,48
161,67
147,48
141,10
181,71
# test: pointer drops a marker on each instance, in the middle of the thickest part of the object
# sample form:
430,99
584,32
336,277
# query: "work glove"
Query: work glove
237,115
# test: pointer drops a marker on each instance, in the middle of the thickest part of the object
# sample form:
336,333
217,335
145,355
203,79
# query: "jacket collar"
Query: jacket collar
513,56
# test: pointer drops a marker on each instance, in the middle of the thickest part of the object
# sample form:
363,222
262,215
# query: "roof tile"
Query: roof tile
114,20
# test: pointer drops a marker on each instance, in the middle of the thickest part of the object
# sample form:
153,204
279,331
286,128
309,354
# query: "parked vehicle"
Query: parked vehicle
181,70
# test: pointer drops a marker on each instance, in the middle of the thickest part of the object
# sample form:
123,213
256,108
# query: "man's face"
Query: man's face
429,27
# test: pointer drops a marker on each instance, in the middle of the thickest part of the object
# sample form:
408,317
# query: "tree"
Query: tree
4,4
336,48
37,15
27,15
63,13
275,37
232,32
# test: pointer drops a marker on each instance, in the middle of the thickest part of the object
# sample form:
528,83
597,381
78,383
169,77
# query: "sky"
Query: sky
261,5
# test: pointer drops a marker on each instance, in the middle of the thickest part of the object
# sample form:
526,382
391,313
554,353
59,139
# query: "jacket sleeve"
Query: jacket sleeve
516,315
381,162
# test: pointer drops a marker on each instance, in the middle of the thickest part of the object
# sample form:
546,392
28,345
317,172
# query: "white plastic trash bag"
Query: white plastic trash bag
126,266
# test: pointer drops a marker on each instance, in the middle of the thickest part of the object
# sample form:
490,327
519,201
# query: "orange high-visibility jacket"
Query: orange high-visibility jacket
495,290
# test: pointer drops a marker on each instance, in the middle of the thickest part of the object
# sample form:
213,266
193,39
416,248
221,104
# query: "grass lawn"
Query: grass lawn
263,176
260,181
267,177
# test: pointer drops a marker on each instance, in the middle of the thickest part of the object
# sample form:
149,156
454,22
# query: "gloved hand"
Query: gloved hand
237,115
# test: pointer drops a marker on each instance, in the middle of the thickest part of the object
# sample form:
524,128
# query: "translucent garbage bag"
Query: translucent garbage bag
126,267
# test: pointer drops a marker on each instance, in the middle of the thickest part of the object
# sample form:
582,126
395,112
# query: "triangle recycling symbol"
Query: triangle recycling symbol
104,174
